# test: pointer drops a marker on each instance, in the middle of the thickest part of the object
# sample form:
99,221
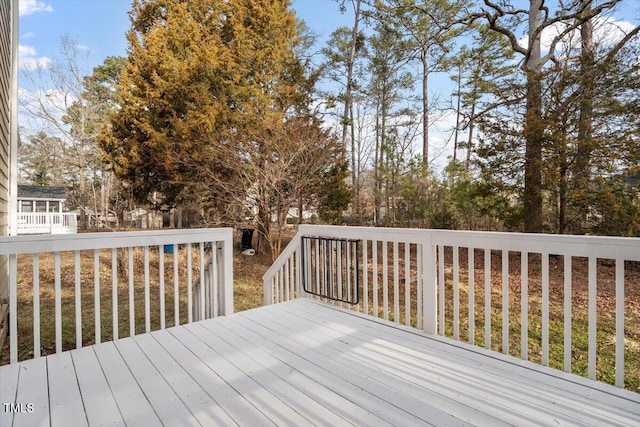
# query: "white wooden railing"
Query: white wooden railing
133,271
207,285
427,275
46,223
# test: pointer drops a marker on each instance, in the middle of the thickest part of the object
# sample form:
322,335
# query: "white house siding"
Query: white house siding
6,68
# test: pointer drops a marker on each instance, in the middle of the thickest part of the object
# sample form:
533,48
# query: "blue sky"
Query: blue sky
100,25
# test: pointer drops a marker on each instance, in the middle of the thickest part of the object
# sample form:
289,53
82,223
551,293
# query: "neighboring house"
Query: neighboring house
34,198
143,218
40,211
8,138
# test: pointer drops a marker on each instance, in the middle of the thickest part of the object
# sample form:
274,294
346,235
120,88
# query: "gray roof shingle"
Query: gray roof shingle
41,192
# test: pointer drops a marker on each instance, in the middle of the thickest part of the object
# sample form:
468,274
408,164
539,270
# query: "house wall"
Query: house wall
6,102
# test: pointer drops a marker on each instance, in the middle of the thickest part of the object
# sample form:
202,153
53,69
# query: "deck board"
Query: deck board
534,382
464,378
226,398
259,397
415,383
333,382
132,403
302,363
99,404
364,375
198,402
339,407
65,399
8,388
166,402
312,411
33,390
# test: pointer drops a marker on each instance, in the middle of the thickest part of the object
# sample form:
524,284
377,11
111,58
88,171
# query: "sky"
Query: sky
99,27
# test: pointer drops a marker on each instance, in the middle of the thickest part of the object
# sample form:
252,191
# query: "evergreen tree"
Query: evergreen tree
485,76
174,92
208,91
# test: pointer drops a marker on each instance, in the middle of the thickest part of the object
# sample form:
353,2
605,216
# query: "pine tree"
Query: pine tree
388,83
485,70
430,28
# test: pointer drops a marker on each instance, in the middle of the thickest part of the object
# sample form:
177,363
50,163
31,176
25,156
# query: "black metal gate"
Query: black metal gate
330,268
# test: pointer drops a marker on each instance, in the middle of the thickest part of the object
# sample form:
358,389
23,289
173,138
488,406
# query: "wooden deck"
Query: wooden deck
300,363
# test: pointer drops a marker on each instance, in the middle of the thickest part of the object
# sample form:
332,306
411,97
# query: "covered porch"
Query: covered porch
41,211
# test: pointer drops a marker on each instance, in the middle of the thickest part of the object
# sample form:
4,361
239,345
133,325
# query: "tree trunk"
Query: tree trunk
384,155
467,163
82,197
264,229
376,171
534,136
347,116
586,98
354,170
457,129
585,120
533,127
562,208
425,107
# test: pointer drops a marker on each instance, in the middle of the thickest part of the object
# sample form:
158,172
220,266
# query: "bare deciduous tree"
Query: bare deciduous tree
273,171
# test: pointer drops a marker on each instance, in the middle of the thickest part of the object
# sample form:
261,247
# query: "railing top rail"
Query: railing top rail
45,213
106,240
293,245
409,235
598,246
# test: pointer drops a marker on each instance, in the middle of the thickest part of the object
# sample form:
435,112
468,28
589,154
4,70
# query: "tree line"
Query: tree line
545,130
226,105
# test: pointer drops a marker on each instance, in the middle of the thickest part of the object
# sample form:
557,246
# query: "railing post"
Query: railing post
299,288
226,290
268,290
430,289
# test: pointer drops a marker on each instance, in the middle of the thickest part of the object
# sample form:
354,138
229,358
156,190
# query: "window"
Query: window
26,206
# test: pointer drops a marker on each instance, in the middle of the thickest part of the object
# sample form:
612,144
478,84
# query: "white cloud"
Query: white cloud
609,31
606,31
29,7
24,50
82,47
26,36
28,58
